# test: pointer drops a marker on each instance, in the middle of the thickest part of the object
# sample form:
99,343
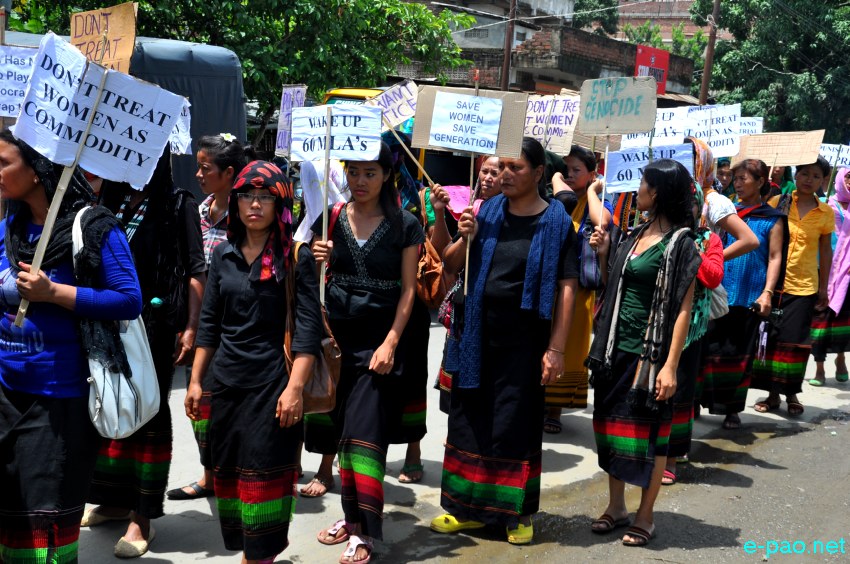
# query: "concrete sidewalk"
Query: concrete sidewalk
189,531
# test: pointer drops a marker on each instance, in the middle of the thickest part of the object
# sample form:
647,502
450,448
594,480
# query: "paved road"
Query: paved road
775,479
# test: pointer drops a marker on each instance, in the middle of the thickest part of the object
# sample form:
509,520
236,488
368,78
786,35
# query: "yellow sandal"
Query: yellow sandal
521,535
448,523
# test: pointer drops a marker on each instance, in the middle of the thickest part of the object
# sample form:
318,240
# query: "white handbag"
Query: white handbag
120,404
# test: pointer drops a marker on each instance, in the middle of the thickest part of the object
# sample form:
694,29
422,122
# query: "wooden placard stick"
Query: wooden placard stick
325,183
475,77
406,150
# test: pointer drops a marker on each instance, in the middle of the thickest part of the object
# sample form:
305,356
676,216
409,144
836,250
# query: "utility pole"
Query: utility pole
709,54
509,44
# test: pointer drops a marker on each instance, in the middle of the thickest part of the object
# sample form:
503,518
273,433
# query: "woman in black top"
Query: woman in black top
373,252
240,342
164,233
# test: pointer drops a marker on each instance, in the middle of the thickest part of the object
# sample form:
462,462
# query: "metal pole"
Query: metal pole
509,44
709,54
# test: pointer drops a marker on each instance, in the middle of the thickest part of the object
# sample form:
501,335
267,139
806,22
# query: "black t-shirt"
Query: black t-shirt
244,318
368,278
507,323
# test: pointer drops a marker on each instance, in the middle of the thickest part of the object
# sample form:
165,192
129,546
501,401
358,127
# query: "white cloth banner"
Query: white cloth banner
670,127
752,125
355,133
130,126
719,126
625,168
292,97
15,70
465,123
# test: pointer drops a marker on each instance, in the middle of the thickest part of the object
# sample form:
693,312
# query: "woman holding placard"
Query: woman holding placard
48,445
517,314
831,328
570,391
372,254
639,336
780,368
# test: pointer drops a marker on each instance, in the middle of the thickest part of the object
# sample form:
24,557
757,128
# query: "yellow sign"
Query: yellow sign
118,23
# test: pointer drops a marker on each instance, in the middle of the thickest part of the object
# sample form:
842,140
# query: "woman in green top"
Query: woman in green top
639,336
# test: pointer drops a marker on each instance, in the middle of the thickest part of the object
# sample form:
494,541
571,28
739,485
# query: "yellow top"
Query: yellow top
801,272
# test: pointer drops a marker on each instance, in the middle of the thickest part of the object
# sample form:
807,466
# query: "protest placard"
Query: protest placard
181,136
719,126
292,97
15,69
624,169
398,103
119,25
670,127
465,123
781,149
552,121
130,126
617,105
837,155
511,121
355,133
752,125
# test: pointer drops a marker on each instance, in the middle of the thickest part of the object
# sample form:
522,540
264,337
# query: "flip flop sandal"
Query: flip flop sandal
355,542
331,532
764,407
732,424
181,494
642,535
818,383
610,524
795,408
552,426
408,469
521,535
327,485
668,479
448,523
842,376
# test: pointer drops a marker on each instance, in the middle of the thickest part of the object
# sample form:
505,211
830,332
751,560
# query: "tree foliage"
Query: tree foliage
602,12
649,33
320,43
789,61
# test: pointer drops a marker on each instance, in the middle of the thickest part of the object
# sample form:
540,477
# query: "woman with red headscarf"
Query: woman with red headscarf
256,414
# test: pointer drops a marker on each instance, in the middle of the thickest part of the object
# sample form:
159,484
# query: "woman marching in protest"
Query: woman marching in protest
163,230
220,160
48,445
516,318
257,405
750,281
831,327
781,367
372,253
570,391
639,336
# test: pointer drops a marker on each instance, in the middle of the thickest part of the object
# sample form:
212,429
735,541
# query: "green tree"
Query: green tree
788,61
602,12
320,43
647,33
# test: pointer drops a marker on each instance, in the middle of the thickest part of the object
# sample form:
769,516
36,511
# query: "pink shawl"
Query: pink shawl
839,275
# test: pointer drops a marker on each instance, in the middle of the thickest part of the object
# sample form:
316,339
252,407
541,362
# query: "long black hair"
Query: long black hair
389,197
674,199
535,154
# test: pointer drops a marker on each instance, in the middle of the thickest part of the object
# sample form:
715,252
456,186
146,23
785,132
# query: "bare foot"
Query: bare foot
318,486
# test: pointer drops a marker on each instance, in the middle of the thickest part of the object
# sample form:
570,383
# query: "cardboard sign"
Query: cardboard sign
292,97
617,105
670,127
355,133
511,122
15,69
552,121
130,126
752,125
653,62
465,123
781,149
397,103
181,136
719,126
119,25
837,155
625,168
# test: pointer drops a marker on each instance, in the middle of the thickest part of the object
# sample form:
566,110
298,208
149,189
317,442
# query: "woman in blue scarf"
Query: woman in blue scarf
517,313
